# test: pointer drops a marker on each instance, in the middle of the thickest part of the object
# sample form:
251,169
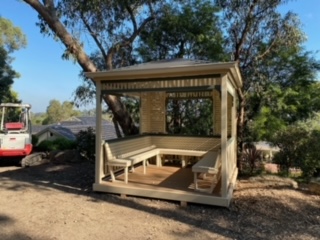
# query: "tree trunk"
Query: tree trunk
121,115
47,12
116,126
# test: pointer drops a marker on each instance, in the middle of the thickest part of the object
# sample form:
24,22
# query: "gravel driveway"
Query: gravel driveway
55,201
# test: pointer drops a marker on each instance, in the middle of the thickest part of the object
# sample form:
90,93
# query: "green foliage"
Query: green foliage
133,107
276,71
189,116
312,123
283,107
38,118
86,142
291,142
11,37
265,125
7,75
57,112
35,140
311,163
299,147
183,29
57,144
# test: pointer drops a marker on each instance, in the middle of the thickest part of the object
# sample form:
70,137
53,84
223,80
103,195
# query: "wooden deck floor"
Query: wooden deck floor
171,178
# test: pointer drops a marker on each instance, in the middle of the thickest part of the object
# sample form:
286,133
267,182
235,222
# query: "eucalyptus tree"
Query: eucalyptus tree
98,35
57,111
256,32
11,39
183,29
291,93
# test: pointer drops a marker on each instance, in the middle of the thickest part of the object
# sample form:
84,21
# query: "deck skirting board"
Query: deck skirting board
173,195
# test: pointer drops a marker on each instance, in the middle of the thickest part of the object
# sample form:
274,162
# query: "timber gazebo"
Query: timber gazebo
158,164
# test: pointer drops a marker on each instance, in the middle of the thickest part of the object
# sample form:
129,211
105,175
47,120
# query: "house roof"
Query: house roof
58,130
69,129
108,131
81,121
168,68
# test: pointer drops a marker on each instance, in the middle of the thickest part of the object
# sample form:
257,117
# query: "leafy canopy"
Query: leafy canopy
57,112
11,39
183,29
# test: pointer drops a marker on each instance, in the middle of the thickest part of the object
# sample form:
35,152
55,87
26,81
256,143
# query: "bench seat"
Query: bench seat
140,155
125,154
209,164
129,159
119,163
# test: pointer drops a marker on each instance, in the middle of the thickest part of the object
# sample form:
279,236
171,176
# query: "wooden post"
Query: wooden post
140,113
224,135
234,128
99,154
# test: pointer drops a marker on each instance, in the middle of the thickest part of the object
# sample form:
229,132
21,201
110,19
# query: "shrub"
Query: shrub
57,144
86,143
34,140
291,142
251,158
311,163
299,147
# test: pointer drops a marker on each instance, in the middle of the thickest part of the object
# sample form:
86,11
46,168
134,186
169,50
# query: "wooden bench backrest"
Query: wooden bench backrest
126,146
141,150
186,143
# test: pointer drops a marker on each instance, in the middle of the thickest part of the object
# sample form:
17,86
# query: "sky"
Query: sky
45,76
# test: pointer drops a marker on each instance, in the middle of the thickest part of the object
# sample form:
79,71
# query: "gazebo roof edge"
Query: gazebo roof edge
164,69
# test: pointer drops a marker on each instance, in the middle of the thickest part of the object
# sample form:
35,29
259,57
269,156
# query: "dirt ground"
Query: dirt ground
56,201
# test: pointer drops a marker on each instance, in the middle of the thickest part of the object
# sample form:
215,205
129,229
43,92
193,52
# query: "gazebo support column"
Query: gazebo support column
224,135
99,154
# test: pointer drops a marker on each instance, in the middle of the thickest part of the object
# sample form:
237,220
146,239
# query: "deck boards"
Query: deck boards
167,177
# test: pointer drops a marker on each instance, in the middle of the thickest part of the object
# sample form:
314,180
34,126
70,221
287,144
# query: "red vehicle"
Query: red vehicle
15,130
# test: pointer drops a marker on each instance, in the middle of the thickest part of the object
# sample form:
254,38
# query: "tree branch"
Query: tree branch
133,19
93,35
244,32
66,38
269,48
138,30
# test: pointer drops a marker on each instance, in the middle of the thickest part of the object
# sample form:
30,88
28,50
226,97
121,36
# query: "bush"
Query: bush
291,142
299,148
34,140
57,144
311,163
251,158
86,143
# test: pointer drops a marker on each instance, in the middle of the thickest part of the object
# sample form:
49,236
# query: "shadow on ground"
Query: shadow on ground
4,221
247,218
